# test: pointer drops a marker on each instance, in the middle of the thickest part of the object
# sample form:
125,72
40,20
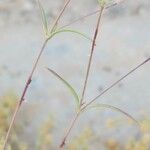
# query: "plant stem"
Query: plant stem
11,124
29,80
69,130
91,56
86,16
59,16
115,83
23,95
85,83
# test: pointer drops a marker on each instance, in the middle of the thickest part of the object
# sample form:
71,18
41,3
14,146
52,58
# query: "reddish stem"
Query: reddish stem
69,130
91,56
29,80
115,83
85,84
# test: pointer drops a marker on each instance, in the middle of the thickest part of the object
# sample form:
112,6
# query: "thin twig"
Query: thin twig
91,56
30,80
115,83
23,96
85,84
88,104
69,130
88,15
59,16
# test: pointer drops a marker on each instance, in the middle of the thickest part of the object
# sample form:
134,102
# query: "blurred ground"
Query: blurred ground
122,44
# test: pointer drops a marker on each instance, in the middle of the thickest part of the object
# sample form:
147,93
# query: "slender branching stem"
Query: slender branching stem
69,130
92,101
86,16
85,84
81,18
60,15
91,56
83,107
29,80
115,83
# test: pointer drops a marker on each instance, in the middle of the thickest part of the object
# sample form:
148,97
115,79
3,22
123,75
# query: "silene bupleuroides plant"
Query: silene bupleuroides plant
81,104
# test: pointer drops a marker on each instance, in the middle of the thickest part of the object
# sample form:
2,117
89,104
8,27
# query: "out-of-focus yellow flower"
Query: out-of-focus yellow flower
110,123
112,144
145,126
82,141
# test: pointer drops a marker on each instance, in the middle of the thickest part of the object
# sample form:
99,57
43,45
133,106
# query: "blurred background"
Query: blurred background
123,43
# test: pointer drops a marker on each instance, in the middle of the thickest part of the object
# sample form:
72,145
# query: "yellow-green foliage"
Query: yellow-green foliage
143,143
134,143
45,140
45,135
82,141
7,106
87,139
1,145
112,144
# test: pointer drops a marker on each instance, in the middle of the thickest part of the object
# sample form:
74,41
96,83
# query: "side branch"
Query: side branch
88,15
115,83
60,14
91,56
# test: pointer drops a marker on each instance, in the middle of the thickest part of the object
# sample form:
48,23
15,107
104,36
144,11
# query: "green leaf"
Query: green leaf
68,85
71,31
43,16
115,109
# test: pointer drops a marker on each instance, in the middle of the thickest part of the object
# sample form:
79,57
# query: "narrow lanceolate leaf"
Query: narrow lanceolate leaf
43,16
115,109
68,85
71,31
